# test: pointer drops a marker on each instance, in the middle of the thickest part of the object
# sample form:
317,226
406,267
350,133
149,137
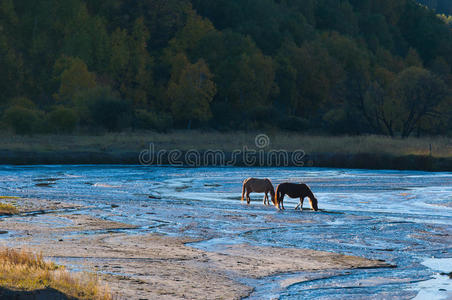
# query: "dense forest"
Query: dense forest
329,66
440,6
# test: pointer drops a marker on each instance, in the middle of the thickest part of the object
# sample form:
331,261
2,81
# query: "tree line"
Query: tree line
440,6
333,66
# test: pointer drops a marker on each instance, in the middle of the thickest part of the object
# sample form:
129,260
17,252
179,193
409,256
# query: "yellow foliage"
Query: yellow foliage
191,92
27,271
74,78
8,209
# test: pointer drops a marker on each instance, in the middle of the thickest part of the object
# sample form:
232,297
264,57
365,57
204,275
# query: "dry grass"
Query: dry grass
8,209
24,270
199,140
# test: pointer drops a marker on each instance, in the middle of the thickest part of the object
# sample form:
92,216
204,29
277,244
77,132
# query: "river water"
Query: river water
403,218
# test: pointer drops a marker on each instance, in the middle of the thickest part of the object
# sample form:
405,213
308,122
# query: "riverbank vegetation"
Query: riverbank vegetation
131,142
333,66
8,209
22,270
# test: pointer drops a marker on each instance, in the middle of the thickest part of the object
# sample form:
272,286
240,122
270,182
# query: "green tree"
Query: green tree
74,77
313,76
139,81
420,93
413,59
191,92
404,102
62,120
120,53
11,70
101,107
187,39
22,120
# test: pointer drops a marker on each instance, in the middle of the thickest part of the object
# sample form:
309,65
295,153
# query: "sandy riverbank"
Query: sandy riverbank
148,266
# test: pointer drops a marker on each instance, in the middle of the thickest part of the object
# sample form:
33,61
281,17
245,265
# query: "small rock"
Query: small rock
114,205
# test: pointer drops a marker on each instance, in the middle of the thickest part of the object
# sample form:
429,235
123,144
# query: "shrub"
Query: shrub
22,120
62,120
22,102
103,108
224,116
112,114
151,120
293,123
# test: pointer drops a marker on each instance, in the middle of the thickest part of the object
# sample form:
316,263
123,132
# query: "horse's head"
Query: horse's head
314,203
272,194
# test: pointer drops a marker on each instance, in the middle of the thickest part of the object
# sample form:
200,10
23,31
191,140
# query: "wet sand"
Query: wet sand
150,266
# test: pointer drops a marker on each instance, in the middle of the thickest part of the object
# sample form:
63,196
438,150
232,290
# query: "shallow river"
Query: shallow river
404,218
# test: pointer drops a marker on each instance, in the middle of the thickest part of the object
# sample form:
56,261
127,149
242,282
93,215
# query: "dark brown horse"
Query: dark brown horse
258,186
294,190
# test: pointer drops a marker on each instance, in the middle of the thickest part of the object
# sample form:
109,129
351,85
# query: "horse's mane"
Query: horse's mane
310,193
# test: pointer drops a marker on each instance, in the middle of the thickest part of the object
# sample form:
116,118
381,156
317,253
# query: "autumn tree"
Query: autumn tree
334,65
73,76
139,82
190,92
311,75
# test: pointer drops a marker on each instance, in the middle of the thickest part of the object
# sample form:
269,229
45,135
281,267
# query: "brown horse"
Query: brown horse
259,186
294,190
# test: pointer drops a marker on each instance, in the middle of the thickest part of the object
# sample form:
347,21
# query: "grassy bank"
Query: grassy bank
322,150
23,272
185,140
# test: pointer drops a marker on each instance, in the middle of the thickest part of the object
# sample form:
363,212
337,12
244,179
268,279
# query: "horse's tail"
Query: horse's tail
275,201
243,188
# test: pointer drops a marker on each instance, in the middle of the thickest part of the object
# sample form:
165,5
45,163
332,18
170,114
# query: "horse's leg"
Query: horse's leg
265,198
282,202
248,199
301,203
279,198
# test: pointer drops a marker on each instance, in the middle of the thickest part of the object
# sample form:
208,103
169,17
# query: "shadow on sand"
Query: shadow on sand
44,294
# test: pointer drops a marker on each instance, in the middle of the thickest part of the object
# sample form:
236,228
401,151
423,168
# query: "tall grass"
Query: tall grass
199,140
24,270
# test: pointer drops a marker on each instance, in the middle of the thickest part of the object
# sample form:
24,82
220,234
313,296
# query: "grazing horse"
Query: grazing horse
259,186
294,190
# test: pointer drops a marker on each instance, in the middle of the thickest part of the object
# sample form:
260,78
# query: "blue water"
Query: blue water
400,217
